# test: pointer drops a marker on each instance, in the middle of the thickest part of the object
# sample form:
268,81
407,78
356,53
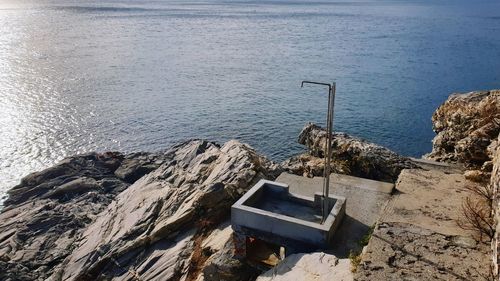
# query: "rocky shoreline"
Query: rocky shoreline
164,216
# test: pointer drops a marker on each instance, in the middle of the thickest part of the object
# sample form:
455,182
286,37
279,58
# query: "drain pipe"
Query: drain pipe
328,145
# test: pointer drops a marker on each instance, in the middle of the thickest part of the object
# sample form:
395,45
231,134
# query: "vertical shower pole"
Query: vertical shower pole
328,146
328,151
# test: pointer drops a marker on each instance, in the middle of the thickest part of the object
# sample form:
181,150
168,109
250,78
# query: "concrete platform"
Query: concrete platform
418,236
442,166
364,201
269,212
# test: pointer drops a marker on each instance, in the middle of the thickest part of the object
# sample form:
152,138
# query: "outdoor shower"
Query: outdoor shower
270,212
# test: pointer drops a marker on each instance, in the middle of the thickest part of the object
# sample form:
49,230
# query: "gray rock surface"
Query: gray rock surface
155,228
82,220
350,156
46,212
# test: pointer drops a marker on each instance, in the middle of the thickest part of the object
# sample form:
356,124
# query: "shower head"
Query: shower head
316,83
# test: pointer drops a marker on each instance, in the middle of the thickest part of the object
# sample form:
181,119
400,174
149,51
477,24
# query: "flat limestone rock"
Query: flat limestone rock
314,267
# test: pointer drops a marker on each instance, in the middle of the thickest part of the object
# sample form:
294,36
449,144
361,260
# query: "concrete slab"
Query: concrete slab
418,236
430,162
429,199
434,165
364,201
307,186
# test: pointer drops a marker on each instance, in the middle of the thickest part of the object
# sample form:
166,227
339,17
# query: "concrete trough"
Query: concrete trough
268,211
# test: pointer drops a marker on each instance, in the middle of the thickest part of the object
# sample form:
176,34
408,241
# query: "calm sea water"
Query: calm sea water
78,76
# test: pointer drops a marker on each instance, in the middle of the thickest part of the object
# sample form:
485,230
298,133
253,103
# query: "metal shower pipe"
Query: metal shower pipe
328,145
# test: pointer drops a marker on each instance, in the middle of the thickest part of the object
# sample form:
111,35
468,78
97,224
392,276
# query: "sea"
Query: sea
88,75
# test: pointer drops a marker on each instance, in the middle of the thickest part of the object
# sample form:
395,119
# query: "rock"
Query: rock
477,176
218,238
221,266
156,227
92,165
47,211
400,251
81,219
351,156
77,186
418,233
466,124
487,166
494,151
305,165
468,127
315,266
464,242
136,165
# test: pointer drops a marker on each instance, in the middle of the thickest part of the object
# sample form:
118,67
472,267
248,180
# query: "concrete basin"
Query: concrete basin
268,211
